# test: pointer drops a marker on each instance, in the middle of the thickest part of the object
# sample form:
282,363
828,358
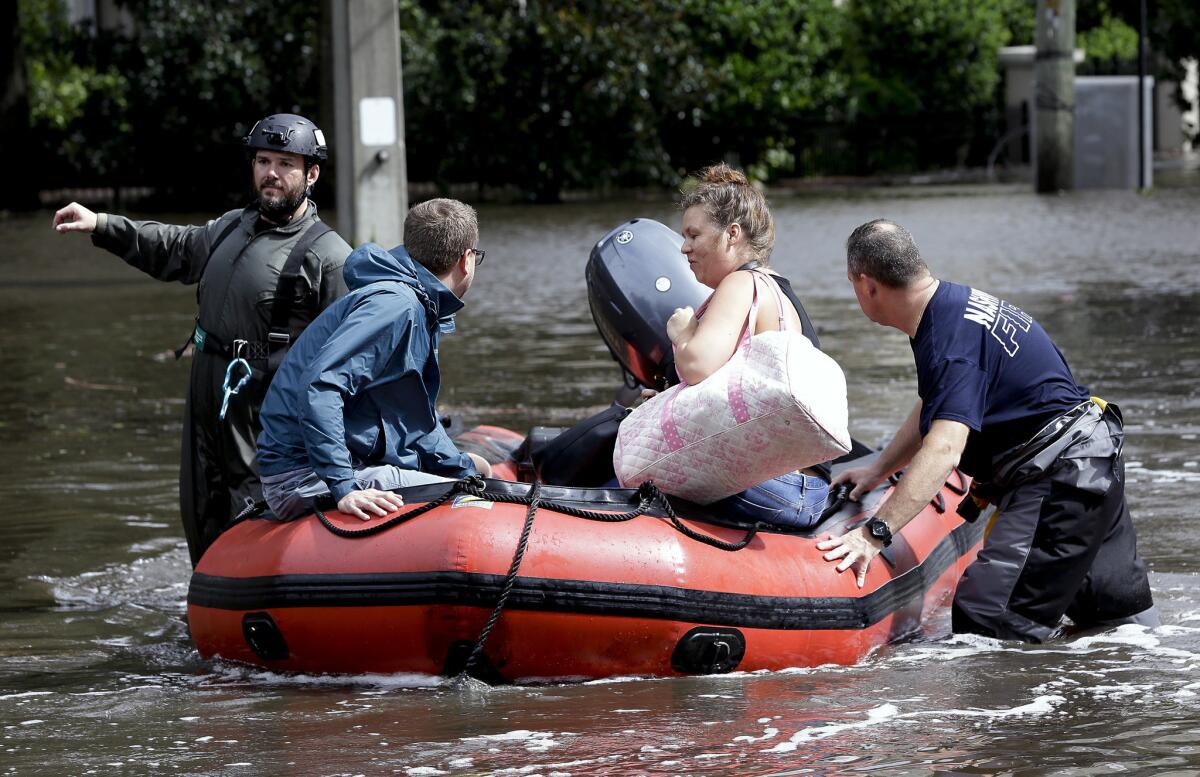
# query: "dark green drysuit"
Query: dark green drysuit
237,284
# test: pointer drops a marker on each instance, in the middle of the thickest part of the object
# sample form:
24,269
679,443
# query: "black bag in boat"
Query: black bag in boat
580,456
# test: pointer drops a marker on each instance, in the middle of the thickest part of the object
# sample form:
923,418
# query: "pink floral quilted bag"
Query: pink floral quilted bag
777,405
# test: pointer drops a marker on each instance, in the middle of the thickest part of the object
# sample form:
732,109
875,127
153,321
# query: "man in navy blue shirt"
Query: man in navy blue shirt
997,398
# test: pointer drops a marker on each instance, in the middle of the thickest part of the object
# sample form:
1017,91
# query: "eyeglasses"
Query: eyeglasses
479,254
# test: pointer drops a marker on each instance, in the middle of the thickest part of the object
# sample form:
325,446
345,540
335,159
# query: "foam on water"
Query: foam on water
890,712
155,581
1145,474
226,673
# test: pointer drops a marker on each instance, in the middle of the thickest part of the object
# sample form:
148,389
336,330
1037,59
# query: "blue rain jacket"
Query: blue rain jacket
358,387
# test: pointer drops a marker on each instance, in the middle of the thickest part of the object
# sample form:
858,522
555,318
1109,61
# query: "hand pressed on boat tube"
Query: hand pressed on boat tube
938,453
855,549
370,500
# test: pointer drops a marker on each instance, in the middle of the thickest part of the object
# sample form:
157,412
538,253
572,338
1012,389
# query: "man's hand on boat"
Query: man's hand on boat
863,479
370,503
854,548
74,218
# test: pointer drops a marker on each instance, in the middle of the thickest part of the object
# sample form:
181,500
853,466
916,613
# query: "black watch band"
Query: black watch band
879,530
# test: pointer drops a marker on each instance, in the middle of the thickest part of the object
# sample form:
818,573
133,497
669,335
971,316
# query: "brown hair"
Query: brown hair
728,198
884,250
436,232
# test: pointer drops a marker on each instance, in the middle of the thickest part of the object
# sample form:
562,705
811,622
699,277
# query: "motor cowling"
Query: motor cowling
636,278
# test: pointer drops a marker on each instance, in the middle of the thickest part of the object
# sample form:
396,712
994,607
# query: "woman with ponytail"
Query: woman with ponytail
728,236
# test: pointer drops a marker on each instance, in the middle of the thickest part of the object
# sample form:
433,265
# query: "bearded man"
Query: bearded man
264,272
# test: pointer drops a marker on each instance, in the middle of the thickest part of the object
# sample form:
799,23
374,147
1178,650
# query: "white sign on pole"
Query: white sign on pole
377,121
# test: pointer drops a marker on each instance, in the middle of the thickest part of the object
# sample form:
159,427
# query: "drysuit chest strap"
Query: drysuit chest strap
279,335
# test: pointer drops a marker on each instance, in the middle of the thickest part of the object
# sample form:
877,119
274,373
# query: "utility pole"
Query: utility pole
1143,178
368,120
1054,84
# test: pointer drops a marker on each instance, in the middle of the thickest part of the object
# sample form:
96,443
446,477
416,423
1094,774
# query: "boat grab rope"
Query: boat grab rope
648,495
535,492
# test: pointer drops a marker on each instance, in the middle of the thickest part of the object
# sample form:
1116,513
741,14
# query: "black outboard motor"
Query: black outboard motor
636,278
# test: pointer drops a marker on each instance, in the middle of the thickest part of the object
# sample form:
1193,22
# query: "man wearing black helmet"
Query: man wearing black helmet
264,272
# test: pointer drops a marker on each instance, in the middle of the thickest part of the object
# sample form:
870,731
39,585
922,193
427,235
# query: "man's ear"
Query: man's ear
314,172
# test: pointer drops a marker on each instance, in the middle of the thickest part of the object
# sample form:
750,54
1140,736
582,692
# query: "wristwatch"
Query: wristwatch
879,530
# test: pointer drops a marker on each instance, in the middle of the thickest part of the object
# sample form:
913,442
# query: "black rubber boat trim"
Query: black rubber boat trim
583,596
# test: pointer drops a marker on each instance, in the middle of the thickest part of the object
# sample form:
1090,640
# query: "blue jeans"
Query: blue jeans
795,500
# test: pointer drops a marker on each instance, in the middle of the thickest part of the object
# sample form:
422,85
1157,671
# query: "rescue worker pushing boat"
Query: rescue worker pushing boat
264,272
997,398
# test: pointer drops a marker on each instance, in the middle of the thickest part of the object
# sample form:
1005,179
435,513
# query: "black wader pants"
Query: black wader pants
1063,542
218,470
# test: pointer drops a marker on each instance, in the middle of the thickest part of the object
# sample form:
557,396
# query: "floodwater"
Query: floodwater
98,676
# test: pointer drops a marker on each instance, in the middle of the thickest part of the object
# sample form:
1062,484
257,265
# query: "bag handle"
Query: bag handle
752,316
783,322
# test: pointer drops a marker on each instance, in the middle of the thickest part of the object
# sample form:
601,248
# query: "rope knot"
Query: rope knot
648,492
472,484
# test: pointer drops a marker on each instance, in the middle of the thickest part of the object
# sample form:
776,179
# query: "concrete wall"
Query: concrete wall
1106,132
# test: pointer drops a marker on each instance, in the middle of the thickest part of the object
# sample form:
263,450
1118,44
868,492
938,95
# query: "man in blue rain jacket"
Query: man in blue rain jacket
351,409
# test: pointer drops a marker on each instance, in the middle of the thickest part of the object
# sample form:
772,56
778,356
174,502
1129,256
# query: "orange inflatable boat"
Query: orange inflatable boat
514,582
509,580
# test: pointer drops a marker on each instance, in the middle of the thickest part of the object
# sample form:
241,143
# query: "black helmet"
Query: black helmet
290,133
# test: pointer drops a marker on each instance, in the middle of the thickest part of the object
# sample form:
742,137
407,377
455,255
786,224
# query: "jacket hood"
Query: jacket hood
370,263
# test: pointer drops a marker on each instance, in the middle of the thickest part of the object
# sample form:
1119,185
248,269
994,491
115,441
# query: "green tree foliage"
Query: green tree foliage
756,67
208,71
158,107
1110,46
544,96
555,95
16,132
71,88
1175,36
922,73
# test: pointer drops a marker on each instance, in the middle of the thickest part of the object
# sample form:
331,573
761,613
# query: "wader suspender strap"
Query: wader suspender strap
233,224
280,335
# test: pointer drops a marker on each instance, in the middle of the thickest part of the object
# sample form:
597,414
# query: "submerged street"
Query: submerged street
98,675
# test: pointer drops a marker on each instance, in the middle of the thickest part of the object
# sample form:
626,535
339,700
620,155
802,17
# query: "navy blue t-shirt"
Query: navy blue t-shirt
987,364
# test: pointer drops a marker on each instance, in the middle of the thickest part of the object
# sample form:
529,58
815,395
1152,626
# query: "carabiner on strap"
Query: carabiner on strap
237,361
